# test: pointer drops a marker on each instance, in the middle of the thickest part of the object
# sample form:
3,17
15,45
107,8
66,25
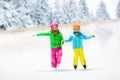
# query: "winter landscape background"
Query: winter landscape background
24,57
29,13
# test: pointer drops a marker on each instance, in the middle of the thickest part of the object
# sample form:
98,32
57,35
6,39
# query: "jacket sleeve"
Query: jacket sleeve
61,36
70,39
43,34
86,37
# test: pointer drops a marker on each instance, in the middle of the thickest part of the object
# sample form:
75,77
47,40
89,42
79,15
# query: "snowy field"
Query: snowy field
24,57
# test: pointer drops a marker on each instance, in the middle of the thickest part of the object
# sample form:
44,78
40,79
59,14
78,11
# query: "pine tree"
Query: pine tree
70,10
21,13
83,11
102,13
3,8
57,13
118,10
7,18
18,3
66,11
41,13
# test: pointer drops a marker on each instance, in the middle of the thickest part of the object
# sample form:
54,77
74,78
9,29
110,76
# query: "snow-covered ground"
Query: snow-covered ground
24,57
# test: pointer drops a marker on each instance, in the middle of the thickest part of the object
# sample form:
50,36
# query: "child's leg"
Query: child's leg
82,57
75,62
59,55
53,58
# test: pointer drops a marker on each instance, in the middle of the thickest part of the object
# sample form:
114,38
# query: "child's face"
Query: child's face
54,29
76,29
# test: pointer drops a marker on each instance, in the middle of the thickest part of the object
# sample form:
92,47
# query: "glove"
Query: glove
93,35
62,42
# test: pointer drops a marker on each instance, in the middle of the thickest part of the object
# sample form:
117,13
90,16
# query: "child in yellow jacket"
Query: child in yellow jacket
77,42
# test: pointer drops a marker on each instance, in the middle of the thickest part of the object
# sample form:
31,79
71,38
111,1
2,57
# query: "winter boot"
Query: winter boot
84,66
75,67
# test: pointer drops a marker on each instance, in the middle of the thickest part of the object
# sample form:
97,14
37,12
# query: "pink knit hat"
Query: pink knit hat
54,24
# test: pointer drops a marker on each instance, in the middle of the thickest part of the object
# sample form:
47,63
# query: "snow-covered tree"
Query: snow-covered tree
118,10
101,13
58,13
5,14
41,13
18,3
6,0
91,16
21,13
70,11
21,3
65,11
83,11
12,17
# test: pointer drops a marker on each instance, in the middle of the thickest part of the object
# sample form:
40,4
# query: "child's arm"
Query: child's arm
43,34
70,39
61,38
87,37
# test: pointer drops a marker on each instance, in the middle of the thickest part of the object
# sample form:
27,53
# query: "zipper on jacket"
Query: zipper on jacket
76,40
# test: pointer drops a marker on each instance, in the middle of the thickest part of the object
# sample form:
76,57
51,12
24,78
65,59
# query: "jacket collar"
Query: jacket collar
78,33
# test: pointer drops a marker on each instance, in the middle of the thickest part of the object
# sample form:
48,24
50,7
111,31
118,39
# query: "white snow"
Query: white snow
24,57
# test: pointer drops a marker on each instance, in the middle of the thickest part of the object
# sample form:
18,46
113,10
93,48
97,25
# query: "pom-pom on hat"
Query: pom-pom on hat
54,24
76,25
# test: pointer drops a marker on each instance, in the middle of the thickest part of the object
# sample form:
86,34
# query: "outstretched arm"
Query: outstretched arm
70,39
87,37
43,34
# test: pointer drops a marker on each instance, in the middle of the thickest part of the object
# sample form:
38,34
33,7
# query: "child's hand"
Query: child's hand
65,41
62,42
33,35
93,35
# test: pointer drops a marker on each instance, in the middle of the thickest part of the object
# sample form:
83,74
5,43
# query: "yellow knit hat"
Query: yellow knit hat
76,25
